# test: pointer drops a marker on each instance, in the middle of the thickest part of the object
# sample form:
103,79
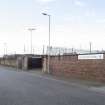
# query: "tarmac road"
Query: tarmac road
22,88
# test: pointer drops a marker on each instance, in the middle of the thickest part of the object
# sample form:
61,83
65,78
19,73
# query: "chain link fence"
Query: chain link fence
66,51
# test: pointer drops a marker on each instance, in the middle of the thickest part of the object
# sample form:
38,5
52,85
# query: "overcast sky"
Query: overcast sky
74,23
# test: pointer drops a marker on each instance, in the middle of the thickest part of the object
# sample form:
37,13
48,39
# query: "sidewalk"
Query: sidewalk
98,89
85,83
92,85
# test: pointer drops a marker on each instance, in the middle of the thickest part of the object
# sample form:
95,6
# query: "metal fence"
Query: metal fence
64,51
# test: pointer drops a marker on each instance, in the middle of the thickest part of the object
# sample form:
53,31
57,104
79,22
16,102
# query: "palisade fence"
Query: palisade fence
65,51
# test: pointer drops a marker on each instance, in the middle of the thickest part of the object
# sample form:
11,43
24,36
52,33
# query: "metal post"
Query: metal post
31,41
5,48
31,29
90,47
43,50
49,40
24,49
49,47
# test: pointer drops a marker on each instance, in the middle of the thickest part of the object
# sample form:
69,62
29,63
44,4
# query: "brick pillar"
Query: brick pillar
45,67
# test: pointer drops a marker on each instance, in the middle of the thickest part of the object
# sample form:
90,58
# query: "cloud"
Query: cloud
100,21
45,1
90,13
79,3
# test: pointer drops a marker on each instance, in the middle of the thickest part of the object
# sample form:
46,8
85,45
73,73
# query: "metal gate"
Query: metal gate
34,62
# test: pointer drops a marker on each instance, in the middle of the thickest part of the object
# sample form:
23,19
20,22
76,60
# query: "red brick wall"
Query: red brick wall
70,66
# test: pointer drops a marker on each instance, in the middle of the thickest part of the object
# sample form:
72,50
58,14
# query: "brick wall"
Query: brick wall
70,66
8,62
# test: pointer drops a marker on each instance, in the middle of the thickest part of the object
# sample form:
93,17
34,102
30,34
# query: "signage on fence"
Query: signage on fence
91,56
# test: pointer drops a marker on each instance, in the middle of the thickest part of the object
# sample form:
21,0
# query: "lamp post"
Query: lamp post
5,48
90,44
31,29
49,40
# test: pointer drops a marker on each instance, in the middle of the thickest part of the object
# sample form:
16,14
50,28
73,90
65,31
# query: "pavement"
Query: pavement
24,88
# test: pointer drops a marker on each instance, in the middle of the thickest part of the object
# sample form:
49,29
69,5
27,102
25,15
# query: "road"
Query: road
22,88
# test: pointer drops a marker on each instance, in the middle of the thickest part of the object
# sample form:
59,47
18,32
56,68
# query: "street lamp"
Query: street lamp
31,29
5,48
49,40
